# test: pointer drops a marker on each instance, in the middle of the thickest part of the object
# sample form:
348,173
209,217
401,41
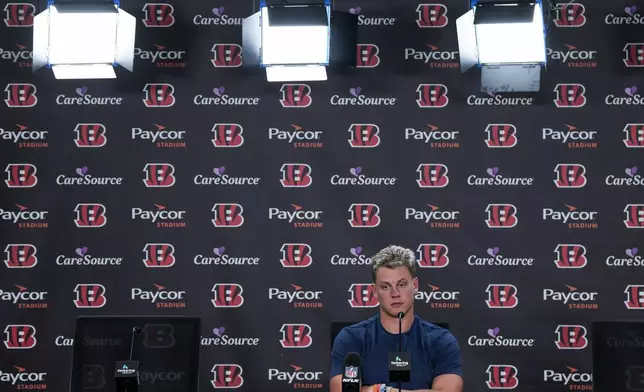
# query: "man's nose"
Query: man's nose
395,292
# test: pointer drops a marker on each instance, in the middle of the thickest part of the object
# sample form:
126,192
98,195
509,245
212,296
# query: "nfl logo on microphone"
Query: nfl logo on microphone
351,371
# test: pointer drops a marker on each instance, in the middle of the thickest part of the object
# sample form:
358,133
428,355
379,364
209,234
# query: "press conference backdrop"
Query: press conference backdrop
192,186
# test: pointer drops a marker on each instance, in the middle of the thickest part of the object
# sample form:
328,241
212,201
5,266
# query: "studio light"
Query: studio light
299,40
507,39
83,39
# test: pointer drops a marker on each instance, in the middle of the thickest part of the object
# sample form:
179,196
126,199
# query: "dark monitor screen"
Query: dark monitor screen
167,349
618,356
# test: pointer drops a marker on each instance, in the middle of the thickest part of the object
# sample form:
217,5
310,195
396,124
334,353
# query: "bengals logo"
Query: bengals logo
158,255
227,295
296,255
432,96
501,136
570,175
159,175
571,337
296,175
296,96
569,14
159,95
226,56
227,376
158,15
296,336
501,216
634,135
21,175
634,297
432,256
634,216
90,215
432,175
20,256
634,55
364,215
570,256
90,296
364,135
20,95
363,295
227,135
19,14
501,296
90,135
20,337
227,215
502,377
431,15
367,56
570,95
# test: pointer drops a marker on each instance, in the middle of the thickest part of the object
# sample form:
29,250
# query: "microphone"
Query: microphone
352,377
399,362
126,374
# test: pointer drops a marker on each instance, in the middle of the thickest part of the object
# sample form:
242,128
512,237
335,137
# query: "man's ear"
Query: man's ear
416,284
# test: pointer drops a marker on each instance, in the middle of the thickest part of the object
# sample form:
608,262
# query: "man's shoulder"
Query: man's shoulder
360,329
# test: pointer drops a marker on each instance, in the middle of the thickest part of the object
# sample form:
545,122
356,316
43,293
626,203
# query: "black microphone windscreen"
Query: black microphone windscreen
353,359
401,314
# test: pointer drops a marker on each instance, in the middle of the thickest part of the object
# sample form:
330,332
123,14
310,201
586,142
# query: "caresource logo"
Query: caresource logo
632,98
502,377
83,98
632,17
359,99
223,99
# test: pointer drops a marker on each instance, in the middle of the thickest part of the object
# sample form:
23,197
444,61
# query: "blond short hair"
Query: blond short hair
394,256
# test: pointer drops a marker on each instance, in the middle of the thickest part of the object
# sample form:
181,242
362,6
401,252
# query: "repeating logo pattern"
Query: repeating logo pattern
192,186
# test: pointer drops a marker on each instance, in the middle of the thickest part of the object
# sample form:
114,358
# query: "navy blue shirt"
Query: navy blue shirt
433,350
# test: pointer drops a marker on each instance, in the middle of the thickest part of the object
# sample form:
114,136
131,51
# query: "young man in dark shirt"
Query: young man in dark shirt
434,352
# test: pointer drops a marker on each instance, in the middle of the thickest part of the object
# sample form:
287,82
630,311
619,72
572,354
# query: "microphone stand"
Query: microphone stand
400,317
